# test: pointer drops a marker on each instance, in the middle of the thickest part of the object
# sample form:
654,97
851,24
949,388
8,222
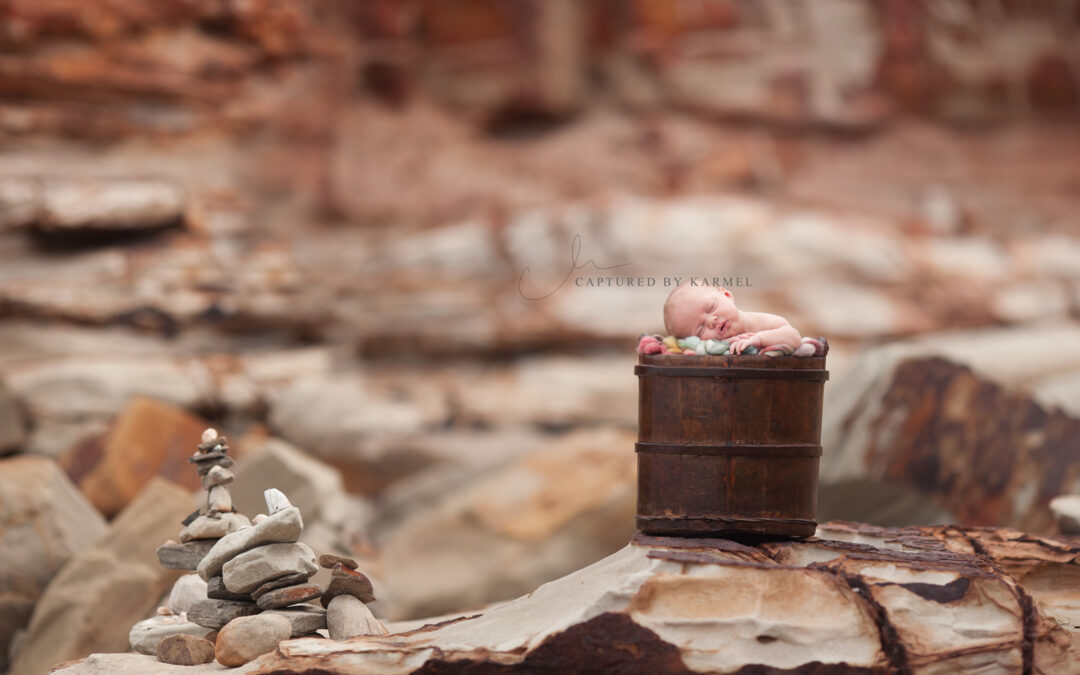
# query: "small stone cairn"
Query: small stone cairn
212,461
257,571
203,529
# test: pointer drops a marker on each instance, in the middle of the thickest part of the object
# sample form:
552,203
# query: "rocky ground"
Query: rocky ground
853,599
411,300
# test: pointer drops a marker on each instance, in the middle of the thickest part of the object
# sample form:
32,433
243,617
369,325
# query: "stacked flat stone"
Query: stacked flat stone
346,600
261,568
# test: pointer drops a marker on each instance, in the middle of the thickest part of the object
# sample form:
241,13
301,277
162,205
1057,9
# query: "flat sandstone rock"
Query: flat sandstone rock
304,619
942,599
328,560
214,526
213,613
186,556
215,588
344,581
251,569
280,582
283,527
289,595
147,634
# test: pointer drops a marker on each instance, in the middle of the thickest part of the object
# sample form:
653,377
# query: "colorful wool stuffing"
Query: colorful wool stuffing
660,344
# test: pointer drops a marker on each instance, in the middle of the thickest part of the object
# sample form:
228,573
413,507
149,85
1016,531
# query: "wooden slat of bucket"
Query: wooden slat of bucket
717,410
732,485
747,449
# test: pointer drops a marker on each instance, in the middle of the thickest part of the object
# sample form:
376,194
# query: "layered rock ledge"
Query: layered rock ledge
856,598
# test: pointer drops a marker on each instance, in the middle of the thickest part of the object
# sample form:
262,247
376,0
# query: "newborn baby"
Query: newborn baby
709,312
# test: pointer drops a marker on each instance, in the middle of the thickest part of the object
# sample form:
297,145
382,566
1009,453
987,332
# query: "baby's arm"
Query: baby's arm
767,330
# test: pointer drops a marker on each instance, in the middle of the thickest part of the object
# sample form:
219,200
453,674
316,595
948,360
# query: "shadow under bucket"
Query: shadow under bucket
728,444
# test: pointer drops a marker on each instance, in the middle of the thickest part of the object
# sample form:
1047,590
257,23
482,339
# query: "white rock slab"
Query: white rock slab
140,664
146,635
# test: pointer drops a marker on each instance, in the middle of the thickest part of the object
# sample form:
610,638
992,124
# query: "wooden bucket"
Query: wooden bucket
728,445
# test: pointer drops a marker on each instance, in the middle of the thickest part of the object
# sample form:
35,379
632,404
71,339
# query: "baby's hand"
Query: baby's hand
741,342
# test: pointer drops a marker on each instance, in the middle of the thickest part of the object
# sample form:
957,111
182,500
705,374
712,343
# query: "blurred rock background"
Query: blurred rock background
385,246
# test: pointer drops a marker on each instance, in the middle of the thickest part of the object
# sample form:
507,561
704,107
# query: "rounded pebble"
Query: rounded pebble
692,342
187,590
185,650
700,350
248,637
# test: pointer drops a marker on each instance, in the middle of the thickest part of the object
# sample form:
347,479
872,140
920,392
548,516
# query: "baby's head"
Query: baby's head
708,312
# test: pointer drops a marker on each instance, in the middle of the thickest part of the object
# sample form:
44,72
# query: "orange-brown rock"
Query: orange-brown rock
149,438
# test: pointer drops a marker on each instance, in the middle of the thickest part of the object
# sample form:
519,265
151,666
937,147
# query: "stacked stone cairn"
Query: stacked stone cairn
253,580
212,461
204,528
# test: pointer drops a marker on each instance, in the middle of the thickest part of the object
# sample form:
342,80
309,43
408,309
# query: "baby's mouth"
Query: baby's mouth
723,327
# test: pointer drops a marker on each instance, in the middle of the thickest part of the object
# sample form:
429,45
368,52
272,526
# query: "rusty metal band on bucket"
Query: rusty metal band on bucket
732,373
715,520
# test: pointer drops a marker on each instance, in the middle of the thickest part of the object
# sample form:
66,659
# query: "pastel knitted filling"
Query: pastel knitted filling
669,344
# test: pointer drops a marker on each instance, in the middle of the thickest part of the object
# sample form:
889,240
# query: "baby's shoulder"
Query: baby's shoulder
759,321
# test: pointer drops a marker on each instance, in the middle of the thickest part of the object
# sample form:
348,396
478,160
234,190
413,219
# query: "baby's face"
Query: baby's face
705,311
